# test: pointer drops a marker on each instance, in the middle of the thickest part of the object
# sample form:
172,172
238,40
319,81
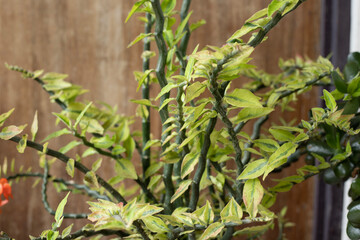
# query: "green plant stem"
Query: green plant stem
176,231
44,197
82,187
142,184
164,113
145,155
83,169
195,186
89,233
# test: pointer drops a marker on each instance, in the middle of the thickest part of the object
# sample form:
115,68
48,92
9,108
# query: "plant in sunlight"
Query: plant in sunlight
204,178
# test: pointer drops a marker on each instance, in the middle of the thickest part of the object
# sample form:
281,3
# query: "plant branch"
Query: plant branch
164,113
89,233
86,189
145,153
195,186
44,196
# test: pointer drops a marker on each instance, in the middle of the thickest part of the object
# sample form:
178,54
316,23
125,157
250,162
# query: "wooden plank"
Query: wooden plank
87,40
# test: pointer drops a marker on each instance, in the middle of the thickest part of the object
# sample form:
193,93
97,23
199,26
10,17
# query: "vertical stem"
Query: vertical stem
195,186
145,156
164,113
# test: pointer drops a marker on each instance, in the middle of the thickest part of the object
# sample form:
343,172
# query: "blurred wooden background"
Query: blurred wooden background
88,40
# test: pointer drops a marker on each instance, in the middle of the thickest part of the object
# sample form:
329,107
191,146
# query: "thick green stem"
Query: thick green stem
145,155
164,113
195,186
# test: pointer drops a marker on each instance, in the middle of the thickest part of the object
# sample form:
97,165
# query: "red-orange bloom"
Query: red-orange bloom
5,189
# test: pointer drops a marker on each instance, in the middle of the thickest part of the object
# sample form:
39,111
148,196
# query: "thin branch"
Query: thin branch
82,187
64,158
89,233
44,196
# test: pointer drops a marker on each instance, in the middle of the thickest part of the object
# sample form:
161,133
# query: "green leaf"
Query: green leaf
251,113
70,169
34,126
267,145
64,119
57,134
69,146
252,195
166,89
67,231
245,29
152,142
329,100
197,24
135,8
274,6
339,82
5,116
183,186
51,76
154,168
91,179
194,90
140,37
126,169
190,65
232,212
22,144
282,187
168,5
188,163
145,102
143,77
258,14
155,224
10,131
191,137
205,214
279,157
118,149
253,169
96,165
57,85
281,134
81,115
243,98
254,231
102,142
60,209
212,231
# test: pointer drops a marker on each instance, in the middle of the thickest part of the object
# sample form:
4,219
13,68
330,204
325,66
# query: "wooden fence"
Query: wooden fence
88,39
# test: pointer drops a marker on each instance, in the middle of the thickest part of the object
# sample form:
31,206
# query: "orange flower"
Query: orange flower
5,189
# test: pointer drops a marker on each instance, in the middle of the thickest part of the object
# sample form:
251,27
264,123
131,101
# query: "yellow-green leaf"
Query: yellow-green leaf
251,113
70,169
5,116
212,231
188,164
155,224
194,90
183,186
10,131
34,127
253,169
232,212
252,195
126,169
329,100
243,98
22,144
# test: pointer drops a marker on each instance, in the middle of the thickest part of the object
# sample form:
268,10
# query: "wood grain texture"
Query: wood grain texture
87,40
